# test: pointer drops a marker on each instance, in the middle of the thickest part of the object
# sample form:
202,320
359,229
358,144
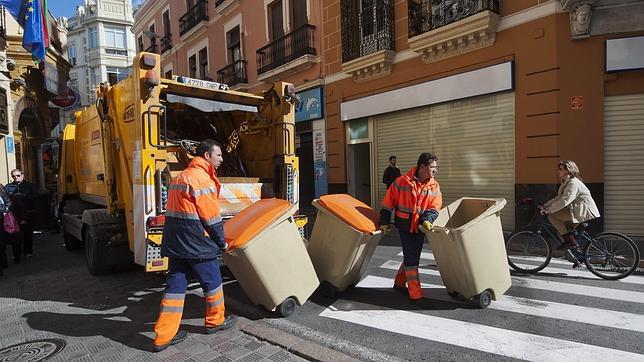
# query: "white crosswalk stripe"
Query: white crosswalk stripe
501,341
566,269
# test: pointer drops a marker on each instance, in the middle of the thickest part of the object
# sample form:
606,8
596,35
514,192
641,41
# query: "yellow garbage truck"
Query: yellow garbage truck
119,156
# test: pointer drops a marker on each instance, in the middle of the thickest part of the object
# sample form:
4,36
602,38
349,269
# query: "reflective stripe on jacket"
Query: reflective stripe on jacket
194,227
411,201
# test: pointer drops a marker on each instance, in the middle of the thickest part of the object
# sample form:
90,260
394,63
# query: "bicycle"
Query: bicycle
608,255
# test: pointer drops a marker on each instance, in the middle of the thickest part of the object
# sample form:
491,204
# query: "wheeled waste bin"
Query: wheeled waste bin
267,256
344,237
469,249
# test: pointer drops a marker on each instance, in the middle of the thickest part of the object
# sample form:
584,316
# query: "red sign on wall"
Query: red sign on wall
576,103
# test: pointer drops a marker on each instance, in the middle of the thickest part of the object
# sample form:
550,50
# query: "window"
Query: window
115,37
234,45
140,43
190,4
192,66
95,78
115,75
168,74
299,13
71,54
166,24
276,20
203,63
93,38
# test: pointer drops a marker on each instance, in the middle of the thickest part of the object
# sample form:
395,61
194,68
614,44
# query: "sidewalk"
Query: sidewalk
52,302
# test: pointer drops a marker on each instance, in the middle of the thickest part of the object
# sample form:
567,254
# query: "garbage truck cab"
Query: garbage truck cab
120,155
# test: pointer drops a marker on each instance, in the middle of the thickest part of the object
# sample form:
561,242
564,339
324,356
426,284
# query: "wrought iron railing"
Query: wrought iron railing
374,30
428,15
291,46
166,43
195,15
219,2
152,48
233,73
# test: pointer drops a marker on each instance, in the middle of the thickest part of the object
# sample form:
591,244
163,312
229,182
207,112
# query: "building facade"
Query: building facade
248,47
501,91
32,86
7,143
100,46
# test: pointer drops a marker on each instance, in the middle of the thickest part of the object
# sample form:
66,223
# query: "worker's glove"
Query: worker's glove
385,229
425,227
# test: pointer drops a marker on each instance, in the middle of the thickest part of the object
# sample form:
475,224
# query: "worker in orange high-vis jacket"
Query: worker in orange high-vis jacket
193,239
415,200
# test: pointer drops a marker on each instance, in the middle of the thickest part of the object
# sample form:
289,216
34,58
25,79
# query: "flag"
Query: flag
45,22
28,13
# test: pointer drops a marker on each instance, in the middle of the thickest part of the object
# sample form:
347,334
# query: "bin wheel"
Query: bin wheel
484,299
327,289
287,307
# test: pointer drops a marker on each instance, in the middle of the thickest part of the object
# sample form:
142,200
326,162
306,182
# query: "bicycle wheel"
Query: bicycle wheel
528,252
611,256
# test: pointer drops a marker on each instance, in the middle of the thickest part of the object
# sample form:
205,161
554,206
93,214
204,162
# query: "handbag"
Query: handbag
10,223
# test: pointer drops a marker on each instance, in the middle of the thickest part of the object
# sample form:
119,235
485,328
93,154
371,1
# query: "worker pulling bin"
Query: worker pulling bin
267,256
467,243
344,238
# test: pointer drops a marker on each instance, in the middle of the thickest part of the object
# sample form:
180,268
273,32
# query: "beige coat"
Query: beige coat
575,196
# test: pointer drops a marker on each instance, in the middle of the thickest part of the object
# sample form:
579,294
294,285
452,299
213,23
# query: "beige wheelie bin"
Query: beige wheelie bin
344,237
267,256
468,246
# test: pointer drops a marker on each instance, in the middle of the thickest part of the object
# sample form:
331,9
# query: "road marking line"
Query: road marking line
568,288
534,307
495,340
631,279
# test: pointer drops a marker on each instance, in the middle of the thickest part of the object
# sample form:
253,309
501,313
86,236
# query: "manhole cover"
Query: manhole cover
32,351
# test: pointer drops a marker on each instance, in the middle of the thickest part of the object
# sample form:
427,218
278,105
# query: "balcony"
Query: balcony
166,43
439,29
194,16
233,74
292,53
152,48
367,44
225,7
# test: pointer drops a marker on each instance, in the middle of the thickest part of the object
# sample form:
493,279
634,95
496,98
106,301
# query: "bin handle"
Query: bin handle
440,229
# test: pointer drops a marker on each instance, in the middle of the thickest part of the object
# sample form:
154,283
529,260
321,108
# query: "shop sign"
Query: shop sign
4,112
310,105
55,79
10,147
67,100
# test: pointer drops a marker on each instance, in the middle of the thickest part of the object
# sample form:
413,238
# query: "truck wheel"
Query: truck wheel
71,243
94,252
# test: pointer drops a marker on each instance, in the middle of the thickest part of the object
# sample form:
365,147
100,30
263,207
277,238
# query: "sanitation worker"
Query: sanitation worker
414,199
193,238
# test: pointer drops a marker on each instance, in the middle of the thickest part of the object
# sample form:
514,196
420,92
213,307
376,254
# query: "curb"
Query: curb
298,346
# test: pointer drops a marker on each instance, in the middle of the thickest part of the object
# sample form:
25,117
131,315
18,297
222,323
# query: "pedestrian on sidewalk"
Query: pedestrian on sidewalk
415,200
23,194
391,172
4,236
192,213
573,204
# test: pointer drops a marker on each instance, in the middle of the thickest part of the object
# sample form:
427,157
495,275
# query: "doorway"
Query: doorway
304,152
360,171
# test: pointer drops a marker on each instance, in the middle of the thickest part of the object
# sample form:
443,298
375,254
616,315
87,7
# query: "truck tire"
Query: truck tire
95,252
71,243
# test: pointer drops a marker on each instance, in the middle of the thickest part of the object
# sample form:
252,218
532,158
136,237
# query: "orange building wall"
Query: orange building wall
550,67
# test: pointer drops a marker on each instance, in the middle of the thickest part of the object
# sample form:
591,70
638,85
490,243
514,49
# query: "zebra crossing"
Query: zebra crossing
526,323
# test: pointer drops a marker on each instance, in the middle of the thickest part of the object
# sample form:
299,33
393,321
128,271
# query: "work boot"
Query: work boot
413,283
178,338
569,242
229,322
399,282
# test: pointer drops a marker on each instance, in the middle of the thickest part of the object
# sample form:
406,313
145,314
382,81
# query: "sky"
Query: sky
67,8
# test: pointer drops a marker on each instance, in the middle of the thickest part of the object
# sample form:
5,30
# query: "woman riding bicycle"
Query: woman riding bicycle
572,205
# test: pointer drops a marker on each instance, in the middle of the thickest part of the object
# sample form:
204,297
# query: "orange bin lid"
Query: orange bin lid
253,220
354,212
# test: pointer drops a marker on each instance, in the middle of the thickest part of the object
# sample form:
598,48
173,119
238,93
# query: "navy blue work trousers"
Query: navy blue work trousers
412,246
181,271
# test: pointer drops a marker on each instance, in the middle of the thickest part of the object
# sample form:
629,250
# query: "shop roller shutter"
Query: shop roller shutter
624,164
473,138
